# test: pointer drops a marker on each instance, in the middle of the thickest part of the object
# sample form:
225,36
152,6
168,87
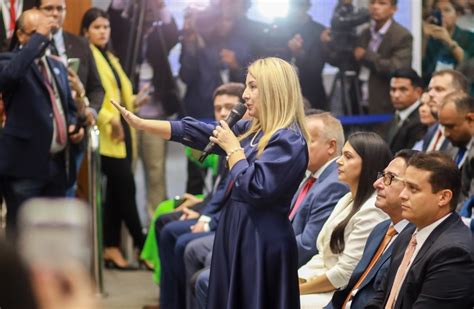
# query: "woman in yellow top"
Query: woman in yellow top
116,140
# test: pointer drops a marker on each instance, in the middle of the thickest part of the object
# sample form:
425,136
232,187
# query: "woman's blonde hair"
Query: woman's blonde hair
280,102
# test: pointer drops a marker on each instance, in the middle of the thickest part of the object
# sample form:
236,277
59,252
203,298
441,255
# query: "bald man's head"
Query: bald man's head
33,21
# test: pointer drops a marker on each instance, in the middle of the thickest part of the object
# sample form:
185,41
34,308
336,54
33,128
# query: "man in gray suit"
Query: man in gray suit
311,205
381,49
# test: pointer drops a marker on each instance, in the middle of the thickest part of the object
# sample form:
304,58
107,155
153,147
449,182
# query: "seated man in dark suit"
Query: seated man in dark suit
455,115
405,92
41,116
311,205
374,263
432,267
441,84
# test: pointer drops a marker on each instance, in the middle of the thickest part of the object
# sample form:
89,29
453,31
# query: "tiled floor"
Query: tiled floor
128,290
134,289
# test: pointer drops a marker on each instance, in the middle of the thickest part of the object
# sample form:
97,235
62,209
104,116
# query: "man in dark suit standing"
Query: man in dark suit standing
85,83
41,115
65,45
381,49
432,267
302,45
405,91
375,261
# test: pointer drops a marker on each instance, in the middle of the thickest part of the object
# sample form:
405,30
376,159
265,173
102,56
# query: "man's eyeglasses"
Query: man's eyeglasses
388,178
50,8
27,33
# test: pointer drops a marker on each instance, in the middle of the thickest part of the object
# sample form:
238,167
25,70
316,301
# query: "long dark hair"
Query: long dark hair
90,16
376,155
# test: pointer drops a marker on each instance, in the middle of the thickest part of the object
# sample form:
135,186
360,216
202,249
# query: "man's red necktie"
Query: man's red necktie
304,191
61,137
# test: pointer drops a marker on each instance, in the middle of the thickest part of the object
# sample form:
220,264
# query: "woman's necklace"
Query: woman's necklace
253,139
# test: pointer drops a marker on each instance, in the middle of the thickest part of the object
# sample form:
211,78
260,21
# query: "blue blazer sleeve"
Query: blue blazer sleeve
217,201
195,134
260,181
19,63
320,209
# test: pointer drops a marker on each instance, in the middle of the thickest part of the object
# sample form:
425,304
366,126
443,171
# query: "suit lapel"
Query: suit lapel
39,76
433,237
387,40
56,75
320,179
375,243
426,246
383,259
397,256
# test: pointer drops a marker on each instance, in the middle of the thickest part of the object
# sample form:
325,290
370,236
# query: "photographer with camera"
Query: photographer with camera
341,38
296,38
382,48
217,43
447,45
339,42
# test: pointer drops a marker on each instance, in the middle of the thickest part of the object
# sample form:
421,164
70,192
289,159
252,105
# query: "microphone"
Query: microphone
235,115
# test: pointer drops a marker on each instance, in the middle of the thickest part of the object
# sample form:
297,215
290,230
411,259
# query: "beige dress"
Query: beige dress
339,267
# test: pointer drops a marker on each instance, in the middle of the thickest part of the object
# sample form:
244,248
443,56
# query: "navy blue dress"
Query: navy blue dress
254,263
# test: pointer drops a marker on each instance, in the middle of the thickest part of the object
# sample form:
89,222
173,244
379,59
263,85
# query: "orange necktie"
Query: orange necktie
386,240
402,269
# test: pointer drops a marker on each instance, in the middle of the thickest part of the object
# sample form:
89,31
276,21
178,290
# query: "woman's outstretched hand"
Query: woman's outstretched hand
131,118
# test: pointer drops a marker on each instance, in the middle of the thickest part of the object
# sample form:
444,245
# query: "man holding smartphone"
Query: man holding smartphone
85,82
35,144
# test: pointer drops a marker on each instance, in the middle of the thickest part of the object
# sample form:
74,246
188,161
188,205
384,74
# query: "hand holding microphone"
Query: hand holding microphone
222,135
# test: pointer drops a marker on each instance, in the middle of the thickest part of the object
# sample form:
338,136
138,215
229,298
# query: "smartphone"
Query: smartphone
436,18
73,64
54,233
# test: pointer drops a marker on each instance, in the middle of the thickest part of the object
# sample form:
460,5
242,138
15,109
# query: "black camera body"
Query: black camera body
275,39
343,33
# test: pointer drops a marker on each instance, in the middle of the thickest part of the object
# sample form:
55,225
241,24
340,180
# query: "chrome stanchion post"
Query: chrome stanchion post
95,200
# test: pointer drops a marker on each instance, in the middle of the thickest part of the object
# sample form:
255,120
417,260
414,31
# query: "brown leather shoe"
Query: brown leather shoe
151,307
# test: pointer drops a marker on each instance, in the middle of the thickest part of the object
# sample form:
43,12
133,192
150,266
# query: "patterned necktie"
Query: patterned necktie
386,240
304,191
61,136
438,137
53,48
401,272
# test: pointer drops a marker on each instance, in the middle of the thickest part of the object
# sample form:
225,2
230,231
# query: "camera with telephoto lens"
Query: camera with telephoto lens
343,33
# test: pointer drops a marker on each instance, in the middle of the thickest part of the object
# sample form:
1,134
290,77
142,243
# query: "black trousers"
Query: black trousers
120,204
